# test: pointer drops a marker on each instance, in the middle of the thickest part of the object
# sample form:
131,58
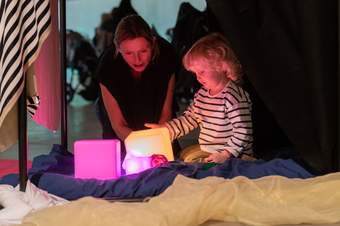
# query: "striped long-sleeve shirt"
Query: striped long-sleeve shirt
224,120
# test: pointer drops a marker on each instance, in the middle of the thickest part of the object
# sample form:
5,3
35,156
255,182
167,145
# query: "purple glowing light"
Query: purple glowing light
138,164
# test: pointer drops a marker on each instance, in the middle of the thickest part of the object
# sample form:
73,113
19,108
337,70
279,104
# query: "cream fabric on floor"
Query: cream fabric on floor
18,204
270,200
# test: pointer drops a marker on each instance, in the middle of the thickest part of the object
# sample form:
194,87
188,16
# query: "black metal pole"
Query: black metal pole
22,143
338,141
62,27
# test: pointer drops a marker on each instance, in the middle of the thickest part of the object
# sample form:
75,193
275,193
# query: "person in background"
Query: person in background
137,78
109,21
103,33
221,108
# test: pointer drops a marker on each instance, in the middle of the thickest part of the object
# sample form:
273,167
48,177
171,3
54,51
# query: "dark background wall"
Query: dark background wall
289,51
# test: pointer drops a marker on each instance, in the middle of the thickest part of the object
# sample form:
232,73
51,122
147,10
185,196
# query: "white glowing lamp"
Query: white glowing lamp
144,143
148,142
98,159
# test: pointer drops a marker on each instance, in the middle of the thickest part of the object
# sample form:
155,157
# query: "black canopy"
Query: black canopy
289,51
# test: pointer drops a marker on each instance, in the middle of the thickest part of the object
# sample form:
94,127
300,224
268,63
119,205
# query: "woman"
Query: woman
136,79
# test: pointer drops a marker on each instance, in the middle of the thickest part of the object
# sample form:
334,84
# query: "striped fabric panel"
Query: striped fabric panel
24,25
32,104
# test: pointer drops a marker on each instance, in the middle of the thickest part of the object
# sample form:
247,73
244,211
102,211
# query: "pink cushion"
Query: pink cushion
8,166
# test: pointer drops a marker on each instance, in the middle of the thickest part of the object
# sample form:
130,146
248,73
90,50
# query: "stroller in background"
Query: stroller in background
82,61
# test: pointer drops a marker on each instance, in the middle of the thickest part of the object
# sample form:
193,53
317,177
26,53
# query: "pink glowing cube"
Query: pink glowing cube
99,159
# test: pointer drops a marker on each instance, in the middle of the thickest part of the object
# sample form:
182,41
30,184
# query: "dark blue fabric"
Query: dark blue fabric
11,179
54,173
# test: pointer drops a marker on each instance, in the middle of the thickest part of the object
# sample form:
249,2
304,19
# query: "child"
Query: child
221,108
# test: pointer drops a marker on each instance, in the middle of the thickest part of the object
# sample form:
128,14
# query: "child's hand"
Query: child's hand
153,125
218,157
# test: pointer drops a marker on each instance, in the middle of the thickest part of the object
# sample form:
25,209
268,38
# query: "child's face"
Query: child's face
208,76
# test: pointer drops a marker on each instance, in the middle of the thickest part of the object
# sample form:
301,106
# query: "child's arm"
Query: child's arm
179,126
240,118
183,124
238,112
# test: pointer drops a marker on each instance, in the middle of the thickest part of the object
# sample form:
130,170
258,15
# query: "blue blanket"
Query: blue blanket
54,173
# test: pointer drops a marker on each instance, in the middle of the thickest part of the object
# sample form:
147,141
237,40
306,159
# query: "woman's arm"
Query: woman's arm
167,107
118,122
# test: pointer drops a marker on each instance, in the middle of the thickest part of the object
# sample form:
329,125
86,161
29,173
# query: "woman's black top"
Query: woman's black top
140,100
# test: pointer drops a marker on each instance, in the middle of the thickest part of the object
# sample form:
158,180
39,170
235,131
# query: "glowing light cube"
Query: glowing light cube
150,141
137,164
99,159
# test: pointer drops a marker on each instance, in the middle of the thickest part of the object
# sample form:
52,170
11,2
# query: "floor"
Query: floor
82,124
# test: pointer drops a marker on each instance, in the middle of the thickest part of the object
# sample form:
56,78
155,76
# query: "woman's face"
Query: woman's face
137,53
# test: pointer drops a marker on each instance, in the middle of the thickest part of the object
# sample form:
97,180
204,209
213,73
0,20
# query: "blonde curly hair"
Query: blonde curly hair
215,50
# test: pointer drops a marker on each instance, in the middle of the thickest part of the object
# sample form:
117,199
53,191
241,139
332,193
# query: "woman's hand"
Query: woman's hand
153,125
218,157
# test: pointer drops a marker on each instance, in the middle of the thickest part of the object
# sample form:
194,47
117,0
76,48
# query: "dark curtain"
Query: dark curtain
289,52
